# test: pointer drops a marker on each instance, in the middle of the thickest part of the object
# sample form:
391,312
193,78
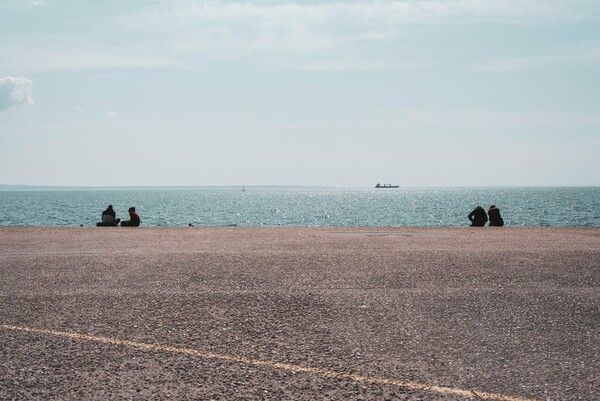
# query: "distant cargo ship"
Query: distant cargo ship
387,186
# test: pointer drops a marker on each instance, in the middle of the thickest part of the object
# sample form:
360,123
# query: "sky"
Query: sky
318,93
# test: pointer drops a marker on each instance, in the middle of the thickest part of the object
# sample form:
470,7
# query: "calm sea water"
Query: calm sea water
303,207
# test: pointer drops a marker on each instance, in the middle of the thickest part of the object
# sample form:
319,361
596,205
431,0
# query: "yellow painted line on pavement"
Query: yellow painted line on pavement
271,364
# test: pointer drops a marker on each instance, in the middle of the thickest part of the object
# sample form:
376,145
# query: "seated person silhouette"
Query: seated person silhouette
134,219
109,218
496,219
478,217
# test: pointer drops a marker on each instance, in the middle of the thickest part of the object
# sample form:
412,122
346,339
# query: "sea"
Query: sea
302,206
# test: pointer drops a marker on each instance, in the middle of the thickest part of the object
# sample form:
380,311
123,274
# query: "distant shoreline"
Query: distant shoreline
8,187
4,187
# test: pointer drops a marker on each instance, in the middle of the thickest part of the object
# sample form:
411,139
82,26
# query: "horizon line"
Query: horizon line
124,187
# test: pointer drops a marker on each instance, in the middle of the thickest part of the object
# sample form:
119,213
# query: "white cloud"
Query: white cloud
282,34
15,91
359,65
582,53
484,119
48,52
244,26
508,64
179,14
312,35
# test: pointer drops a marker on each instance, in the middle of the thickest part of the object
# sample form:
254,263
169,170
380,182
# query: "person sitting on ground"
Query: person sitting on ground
134,219
478,217
495,219
109,217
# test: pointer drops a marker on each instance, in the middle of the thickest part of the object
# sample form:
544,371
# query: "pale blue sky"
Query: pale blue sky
340,93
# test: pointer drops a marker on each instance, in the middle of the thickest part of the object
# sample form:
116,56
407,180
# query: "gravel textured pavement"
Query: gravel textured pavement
507,314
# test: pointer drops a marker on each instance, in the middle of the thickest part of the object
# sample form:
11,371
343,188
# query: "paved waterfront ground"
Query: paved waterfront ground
300,313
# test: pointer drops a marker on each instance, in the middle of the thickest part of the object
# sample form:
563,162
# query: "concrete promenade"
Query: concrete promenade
509,314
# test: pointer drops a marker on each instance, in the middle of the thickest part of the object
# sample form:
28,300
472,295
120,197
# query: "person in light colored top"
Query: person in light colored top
109,217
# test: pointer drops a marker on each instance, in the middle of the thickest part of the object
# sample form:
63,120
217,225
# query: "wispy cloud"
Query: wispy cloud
313,35
485,119
176,14
580,54
48,52
15,91
360,65
279,34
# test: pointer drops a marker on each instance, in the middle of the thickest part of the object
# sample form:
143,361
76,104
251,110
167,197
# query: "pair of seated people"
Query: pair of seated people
109,218
479,217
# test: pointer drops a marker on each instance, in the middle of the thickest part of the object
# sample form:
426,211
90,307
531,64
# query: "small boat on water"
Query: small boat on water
387,186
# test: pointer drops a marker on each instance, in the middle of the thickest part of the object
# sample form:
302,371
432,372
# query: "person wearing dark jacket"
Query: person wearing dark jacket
478,217
134,219
495,219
